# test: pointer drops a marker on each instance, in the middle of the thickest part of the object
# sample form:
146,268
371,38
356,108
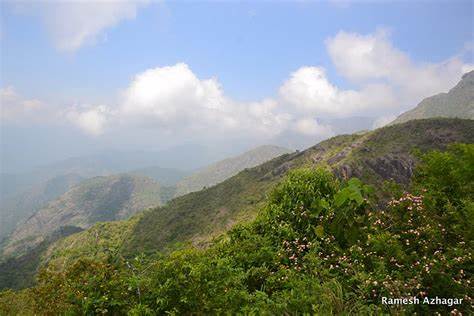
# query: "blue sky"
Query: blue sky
254,51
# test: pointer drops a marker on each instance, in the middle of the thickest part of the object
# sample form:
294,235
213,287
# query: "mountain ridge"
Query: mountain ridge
97,199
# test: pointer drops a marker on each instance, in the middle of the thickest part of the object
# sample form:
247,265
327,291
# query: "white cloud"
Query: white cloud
309,90
174,98
385,79
73,24
91,119
166,95
15,107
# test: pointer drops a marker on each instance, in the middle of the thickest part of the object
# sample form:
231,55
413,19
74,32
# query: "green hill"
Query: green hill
458,102
94,200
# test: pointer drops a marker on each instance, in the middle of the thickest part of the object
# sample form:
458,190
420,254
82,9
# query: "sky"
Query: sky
78,77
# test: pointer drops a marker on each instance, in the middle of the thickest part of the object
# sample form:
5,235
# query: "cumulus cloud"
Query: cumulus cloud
73,24
173,94
385,80
15,107
173,100
309,90
173,97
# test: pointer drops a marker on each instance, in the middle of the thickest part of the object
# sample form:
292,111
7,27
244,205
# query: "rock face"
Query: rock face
227,168
458,102
94,200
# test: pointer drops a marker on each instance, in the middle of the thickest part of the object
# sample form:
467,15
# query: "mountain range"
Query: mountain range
39,212
384,154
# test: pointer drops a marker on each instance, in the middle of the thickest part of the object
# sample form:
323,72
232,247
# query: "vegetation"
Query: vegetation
318,245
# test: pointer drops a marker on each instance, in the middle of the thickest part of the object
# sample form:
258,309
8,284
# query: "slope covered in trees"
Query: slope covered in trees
17,208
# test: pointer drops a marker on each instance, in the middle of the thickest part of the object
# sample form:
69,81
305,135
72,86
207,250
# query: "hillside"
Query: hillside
97,199
458,102
376,156
227,168
318,246
19,207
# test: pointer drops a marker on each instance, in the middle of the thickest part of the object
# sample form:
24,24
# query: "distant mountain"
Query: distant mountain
19,207
222,170
109,162
94,200
458,102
